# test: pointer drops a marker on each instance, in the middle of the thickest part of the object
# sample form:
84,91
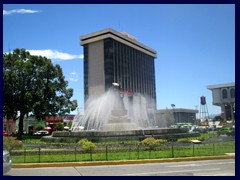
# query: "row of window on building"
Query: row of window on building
228,93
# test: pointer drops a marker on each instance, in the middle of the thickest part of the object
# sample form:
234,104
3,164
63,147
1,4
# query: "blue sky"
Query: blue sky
195,44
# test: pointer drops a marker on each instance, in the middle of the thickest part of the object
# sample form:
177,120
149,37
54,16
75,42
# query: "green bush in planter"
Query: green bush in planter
87,145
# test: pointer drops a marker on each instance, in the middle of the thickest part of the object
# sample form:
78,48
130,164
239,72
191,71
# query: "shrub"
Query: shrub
70,124
10,143
224,131
87,145
152,143
59,126
183,140
40,126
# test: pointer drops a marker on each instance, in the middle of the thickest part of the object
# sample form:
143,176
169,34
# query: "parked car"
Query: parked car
7,162
41,133
66,128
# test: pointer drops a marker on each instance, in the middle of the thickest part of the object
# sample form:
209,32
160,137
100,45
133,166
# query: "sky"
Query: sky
195,43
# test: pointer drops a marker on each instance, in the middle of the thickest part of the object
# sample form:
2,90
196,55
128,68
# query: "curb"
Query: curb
98,163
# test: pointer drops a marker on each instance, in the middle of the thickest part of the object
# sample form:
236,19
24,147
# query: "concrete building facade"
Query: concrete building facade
179,115
114,57
223,95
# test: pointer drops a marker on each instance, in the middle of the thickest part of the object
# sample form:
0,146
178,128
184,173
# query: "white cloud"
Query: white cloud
73,77
19,11
55,55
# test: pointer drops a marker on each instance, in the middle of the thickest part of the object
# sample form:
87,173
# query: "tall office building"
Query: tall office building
111,56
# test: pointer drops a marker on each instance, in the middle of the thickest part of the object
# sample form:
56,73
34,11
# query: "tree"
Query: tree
32,84
165,118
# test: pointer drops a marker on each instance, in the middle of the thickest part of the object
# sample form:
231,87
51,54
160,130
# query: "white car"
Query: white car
7,162
41,133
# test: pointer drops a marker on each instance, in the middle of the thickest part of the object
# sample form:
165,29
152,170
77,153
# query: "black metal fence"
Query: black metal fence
41,154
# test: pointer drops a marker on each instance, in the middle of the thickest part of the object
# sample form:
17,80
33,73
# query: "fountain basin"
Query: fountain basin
104,136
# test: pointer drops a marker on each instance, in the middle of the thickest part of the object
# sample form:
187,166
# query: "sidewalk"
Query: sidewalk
142,161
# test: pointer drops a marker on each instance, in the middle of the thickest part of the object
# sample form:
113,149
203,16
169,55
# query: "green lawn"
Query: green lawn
118,153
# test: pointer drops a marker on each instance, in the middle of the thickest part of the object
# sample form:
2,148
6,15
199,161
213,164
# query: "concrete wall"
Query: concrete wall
96,79
216,95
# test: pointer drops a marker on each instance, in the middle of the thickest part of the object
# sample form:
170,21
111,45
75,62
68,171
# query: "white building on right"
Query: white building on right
224,95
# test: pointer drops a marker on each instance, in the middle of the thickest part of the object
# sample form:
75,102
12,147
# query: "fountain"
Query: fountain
115,115
109,113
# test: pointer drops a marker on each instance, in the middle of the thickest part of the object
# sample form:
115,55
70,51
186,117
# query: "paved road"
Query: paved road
223,167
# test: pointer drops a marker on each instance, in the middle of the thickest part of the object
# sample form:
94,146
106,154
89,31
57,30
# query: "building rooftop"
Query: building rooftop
181,110
217,86
123,37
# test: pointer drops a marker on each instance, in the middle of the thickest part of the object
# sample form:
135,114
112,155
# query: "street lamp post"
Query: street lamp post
173,106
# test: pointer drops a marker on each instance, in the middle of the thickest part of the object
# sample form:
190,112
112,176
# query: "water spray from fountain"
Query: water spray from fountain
114,111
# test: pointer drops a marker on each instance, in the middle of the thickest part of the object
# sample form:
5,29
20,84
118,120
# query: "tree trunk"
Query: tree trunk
20,126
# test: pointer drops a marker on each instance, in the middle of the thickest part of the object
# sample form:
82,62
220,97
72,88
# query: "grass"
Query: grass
130,153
